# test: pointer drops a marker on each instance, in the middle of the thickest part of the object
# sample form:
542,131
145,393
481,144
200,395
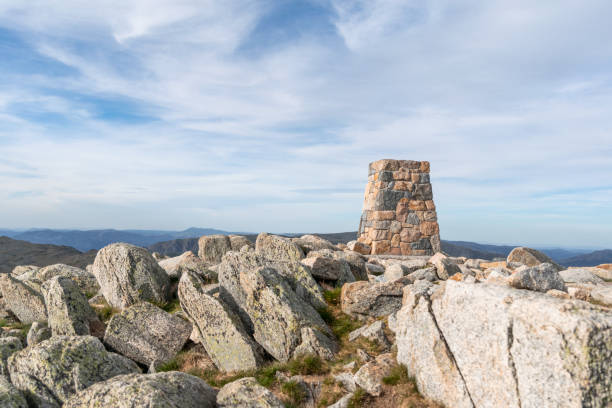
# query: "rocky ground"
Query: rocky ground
305,323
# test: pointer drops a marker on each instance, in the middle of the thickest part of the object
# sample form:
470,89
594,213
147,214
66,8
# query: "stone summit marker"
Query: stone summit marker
399,215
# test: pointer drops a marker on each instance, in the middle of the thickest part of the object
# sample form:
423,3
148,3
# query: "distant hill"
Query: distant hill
96,239
175,247
487,251
14,252
469,251
591,259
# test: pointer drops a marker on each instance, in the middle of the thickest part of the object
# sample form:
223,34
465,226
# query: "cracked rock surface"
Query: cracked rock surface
128,274
162,390
52,371
486,346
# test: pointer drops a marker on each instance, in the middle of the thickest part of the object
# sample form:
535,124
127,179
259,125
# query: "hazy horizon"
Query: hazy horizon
535,245
263,116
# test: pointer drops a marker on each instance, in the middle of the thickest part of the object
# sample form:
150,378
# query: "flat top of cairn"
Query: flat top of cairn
393,165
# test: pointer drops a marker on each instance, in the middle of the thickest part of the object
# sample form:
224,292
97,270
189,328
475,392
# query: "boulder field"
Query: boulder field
302,322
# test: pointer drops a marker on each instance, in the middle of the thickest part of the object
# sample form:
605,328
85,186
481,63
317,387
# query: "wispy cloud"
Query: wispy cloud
260,115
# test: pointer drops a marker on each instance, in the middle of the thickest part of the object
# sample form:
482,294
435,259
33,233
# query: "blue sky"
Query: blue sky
263,115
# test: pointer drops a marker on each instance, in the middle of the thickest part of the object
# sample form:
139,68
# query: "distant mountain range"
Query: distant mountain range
96,239
591,259
173,243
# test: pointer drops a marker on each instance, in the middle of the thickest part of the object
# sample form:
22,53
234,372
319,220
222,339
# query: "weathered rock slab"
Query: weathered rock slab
26,303
68,311
85,280
283,323
544,351
247,393
530,257
541,278
172,389
297,276
329,268
147,334
52,371
278,248
128,274
218,328
39,331
362,299
10,397
187,261
8,346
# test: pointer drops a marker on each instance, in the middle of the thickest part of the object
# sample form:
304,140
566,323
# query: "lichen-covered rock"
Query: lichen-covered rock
172,389
128,274
329,268
278,248
211,248
395,271
374,269
247,393
541,278
26,303
219,330
239,241
360,247
282,322
147,334
52,371
602,294
27,274
580,275
370,375
188,261
308,243
85,280
10,397
374,332
530,257
23,270
445,267
605,274
68,311
39,331
362,299
297,276
356,263
8,346
544,351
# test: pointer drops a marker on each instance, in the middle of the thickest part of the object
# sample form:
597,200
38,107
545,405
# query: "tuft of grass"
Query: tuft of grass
357,400
333,296
266,376
170,307
343,324
3,323
397,375
326,315
340,323
90,294
307,365
172,365
105,313
294,392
